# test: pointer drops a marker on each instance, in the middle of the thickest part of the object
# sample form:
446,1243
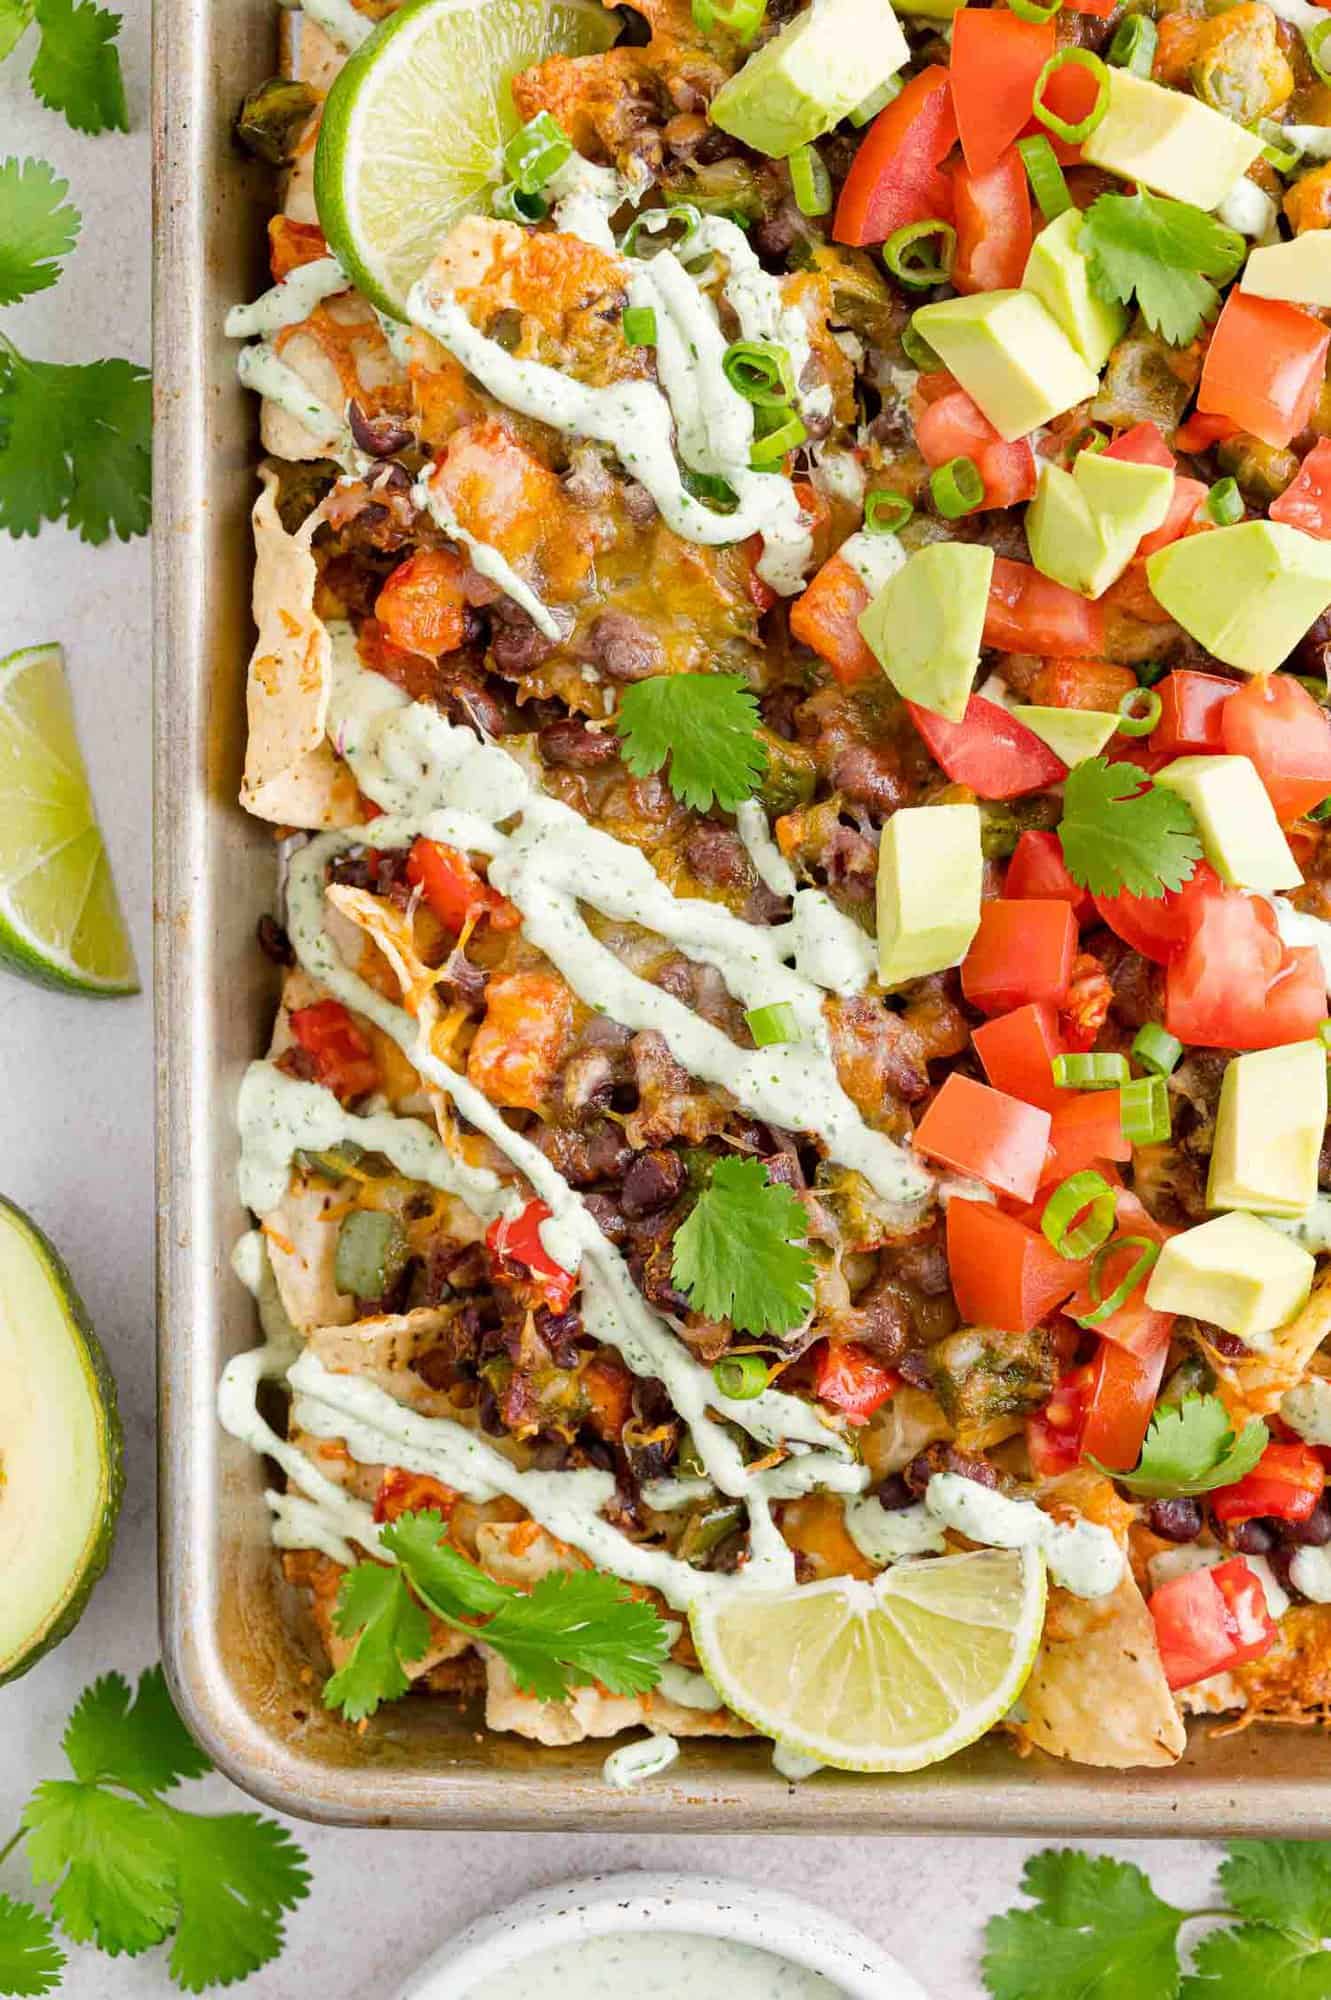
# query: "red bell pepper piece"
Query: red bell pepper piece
989,750
1018,1050
894,178
343,1060
984,1132
1021,951
1264,367
1004,1274
1286,1484
848,1377
1030,613
1053,1434
1235,986
1210,1620
1275,721
993,217
1037,869
953,426
995,62
517,1240
1201,432
1306,501
1190,705
453,889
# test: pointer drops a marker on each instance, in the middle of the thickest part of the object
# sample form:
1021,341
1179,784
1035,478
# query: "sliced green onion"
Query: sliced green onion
513,204
1080,1191
885,513
1156,1049
1143,1107
536,152
742,18
1139,711
1314,40
810,182
1322,811
1133,46
1045,176
663,222
1090,440
957,488
906,253
1104,1308
769,447
710,488
1072,134
1224,503
876,101
1274,150
1324,1034
770,1025
371,1252
918,351
1096,1071
760,370
640,326
1029,10
741,1377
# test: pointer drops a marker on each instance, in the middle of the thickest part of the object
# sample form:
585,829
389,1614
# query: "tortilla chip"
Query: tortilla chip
384,1341
302,1247
1254,1386
1097,1692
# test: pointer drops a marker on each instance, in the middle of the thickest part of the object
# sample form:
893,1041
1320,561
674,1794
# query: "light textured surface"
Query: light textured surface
77,1081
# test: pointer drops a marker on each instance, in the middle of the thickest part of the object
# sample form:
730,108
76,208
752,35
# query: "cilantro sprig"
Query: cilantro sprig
1191,1448
1119,831
130,1868
741,1253
76,64
1098,1931
74,439
1166,253
706,724
573,1627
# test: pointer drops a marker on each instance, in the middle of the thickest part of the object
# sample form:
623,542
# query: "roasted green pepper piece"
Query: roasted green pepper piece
273,117
791,777
371,1252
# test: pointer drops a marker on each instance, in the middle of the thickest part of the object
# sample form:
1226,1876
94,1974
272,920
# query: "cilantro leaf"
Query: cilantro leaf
1191,1448
391,1629
1119,831
74,443
1098,1932
146,1748
30,1959
446,1580
15,20
740,1255
1282,1882
706,724
1241,1964
77,66
236,1874
112,1859
1165,251
37,226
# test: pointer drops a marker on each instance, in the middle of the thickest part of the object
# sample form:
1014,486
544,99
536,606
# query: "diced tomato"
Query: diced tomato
1190,705
1030,613
995,62
1066,683
1053,1434
993,217
989,750
1134,1326
422,607
848,1377
1210,1620
1276,722
1143,444
1003,1274
1160,927
1084,1130
1018,1050
1100,9
1037,869
517,1240
954,426
1071,93
1235,986
1022,951
1306,501
894,178
1286,1484
1264,367
453,889
343,1060
826,618
984,1132
1120,1403
1186,498
1201,432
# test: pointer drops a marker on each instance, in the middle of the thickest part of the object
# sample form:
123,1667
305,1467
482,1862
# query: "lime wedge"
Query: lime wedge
414,128
882,1676
60,922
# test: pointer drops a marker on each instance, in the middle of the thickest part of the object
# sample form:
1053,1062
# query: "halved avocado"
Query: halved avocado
61,1475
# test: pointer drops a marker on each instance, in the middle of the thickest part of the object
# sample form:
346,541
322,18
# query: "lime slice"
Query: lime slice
882,1676
413,131
60,922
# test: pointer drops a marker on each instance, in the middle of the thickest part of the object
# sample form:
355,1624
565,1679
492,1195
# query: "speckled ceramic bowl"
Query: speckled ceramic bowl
700,1905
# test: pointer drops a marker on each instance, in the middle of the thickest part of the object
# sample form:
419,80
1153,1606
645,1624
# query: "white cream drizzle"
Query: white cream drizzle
1082,1556
770,864
427,495
875,559
340,21
288,302
261,368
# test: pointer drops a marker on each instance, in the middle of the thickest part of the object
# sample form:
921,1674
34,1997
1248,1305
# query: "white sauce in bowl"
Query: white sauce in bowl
656,1965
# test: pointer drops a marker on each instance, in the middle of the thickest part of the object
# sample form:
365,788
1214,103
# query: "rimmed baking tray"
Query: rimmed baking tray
245,1672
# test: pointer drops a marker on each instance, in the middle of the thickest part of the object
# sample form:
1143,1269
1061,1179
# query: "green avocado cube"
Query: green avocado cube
1074,734
1269,1128
925,625
1299,271
1170,142
1247,593
813,73
1236,819
1011,355
930,869
1236,1271
1058,274
1083,526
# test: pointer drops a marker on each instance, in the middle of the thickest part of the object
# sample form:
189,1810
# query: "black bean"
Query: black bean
570,742
1175,1520
1314,1533
623,647
380,436
653,1180
943,1457
1248,1538
894,1494
273,941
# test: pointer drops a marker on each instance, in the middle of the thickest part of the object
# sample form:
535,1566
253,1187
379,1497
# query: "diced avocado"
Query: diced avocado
1269,1129
929,873
1058,275
924,626
1011,355
1169,142
1236,820
1236,1271
1247,593
811,75
1074,734
1299,270
1083,526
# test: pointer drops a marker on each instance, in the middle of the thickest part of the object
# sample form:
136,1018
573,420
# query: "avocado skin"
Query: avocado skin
102,1388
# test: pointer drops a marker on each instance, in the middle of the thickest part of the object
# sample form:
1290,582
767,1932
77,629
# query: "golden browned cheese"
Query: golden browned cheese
815,1527
1239,67
1308,203
1293,1681
528,1018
